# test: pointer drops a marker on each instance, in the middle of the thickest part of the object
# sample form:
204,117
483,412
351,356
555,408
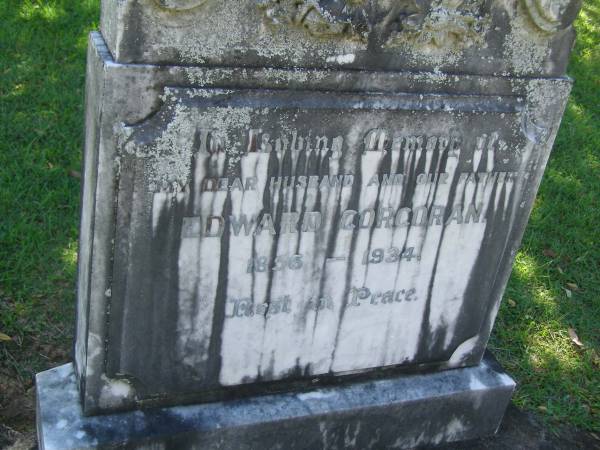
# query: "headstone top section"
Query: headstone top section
522,37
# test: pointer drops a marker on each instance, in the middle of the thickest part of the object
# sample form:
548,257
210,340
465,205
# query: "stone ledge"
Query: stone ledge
401,412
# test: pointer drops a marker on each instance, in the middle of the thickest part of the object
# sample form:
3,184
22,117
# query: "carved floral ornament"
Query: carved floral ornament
434,23
437,23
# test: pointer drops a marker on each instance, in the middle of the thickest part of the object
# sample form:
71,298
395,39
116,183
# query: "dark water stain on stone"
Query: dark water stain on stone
218,323
352,204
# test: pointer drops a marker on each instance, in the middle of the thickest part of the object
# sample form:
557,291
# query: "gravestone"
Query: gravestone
299,218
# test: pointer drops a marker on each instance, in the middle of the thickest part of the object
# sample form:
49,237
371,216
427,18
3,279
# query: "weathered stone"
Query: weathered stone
246,238
522,37
401,412
290,205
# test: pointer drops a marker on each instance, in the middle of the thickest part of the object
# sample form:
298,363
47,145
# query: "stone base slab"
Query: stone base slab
401,412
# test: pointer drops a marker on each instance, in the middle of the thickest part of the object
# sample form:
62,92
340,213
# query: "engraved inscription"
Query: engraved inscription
238,308
365,296
281,262
287,233
312,221
389,255
244,307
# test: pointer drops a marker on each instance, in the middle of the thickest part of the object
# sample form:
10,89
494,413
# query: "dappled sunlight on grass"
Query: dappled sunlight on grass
589,28
35,10
581,113
524,266
555,279
69,256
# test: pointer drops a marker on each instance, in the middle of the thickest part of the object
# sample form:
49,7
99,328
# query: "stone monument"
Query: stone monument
299,218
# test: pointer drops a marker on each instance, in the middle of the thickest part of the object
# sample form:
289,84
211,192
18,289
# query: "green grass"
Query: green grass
42,67
561,247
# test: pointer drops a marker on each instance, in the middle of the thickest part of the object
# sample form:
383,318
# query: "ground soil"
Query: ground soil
522,430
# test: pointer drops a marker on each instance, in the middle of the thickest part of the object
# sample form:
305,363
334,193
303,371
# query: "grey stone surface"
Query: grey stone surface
400,412
259,230
299,218
521,37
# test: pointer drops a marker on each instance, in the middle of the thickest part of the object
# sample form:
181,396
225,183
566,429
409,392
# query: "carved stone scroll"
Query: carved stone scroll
552,15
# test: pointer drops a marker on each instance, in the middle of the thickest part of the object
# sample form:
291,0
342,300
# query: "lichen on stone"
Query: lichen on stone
448,25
